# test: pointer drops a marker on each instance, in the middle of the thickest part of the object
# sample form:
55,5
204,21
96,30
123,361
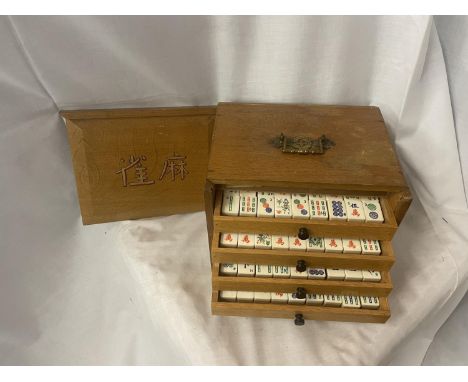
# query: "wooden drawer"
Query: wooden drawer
290,285
315,227
308,312
383,262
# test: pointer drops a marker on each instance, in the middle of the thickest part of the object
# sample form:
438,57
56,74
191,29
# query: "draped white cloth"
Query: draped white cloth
138,292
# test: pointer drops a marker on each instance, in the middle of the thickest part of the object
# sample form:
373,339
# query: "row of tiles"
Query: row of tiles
302,206
331,300
293,243
285,272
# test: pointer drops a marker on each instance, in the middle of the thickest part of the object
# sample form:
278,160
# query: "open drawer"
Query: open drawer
381,288
299,313
382,262
314,227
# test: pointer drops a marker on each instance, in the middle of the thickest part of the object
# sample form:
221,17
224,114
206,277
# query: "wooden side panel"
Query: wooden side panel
132,164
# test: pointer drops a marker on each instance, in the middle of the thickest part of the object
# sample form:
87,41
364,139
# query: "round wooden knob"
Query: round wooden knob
301,293
301,266
299,320
303,233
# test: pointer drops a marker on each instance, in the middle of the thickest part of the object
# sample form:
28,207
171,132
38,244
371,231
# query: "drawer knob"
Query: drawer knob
303,233
299,320
301,266
301,293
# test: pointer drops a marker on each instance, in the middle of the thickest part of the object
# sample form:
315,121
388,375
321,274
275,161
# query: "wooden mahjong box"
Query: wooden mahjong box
302,203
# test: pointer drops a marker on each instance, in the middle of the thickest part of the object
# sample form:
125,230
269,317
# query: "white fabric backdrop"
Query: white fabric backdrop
114,293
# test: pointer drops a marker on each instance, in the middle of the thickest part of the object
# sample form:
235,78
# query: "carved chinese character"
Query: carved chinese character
140,174
174,165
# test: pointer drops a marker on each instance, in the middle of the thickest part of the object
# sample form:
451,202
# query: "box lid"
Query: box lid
136,163
243,152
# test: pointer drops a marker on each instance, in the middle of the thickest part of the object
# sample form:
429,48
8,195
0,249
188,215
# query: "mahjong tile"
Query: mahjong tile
333,244
283,205
292,299
316,273
229,239
228,295
231,201
243,296
279,242
315,244
296,244
300,206
262,241
370,247
369,302
246,270
371,276
246,240
332,300
266,204
263,270
295,274
353,275
351,245
336,207
262,296
334,274
372,209
281,271
248,203
318,206
228,269
279,298
354,209
351,302
314,299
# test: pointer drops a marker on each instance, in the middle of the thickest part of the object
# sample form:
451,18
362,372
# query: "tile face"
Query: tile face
354,209
372,209
318,206
228,239
372,276
296,244
314,299
292,299
297,275
279,242
262,241
351,302
315,244
370,247
248,203
246,270
334,274
353,275
281,272
283,205
243,296
263,270
351,245
230,204
316,273
279,298
262,297
300,206
266,204
332,300
228,269
228,295
333,244
246,240
336,207
369,302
